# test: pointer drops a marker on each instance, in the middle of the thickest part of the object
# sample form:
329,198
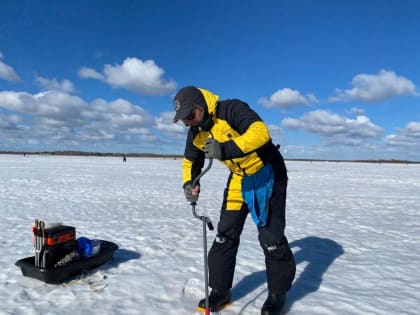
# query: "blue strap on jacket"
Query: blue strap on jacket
256,192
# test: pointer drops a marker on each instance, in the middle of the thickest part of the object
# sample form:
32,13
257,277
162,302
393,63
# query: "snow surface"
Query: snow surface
354,229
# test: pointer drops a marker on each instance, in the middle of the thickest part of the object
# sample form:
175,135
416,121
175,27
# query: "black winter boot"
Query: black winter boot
217,301
273,304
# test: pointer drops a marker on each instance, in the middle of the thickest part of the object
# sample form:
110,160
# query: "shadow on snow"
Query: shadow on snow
122,255
319,253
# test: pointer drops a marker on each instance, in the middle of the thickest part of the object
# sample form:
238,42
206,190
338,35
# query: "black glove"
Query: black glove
191,194
213,149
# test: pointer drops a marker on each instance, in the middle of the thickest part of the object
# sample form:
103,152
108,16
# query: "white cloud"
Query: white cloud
9,121
118,114
52,117
375,88
52,84
276,134
413,128
286,98
408,137
88,73
140,131
18,101
59,106
164,123
274,129
133,74
335,128
357,111
143,134
7,72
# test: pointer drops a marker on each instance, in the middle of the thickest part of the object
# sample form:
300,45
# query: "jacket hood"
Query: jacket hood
211,101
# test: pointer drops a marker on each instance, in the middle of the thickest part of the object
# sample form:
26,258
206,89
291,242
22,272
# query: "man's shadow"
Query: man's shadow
319,253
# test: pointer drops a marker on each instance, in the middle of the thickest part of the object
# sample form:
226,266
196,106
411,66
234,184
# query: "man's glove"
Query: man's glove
213,149
191,194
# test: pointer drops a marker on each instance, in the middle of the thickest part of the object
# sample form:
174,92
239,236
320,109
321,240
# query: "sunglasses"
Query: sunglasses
191,116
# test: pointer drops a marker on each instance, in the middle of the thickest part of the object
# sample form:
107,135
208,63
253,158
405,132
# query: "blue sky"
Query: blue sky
332,79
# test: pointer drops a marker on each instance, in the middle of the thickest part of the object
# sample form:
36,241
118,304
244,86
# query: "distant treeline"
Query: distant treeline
83,153
360,161
175,156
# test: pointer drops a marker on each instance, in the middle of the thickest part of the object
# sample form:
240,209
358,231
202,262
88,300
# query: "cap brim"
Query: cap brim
181,114
176,119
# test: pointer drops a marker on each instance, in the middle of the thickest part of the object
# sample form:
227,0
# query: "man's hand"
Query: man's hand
191,193
213,149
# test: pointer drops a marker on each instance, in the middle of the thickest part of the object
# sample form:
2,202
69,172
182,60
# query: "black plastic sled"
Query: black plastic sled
58,275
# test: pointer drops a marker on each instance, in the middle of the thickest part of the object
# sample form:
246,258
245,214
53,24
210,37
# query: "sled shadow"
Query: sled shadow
319,253
121,256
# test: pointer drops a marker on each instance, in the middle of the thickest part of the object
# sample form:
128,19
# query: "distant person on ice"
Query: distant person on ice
230,131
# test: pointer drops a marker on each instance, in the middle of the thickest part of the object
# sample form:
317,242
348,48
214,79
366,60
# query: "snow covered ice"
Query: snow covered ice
354,229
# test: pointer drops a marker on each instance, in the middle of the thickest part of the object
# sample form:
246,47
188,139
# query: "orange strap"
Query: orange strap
58,239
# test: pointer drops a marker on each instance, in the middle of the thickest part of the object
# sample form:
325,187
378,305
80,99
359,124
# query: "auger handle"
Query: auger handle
195,180
193,204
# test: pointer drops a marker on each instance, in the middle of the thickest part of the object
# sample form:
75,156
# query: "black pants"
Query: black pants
279,260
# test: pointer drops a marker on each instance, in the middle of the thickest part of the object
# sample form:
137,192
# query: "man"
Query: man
233,133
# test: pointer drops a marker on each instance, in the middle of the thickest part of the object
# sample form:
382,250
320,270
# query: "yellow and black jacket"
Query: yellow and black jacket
245,140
